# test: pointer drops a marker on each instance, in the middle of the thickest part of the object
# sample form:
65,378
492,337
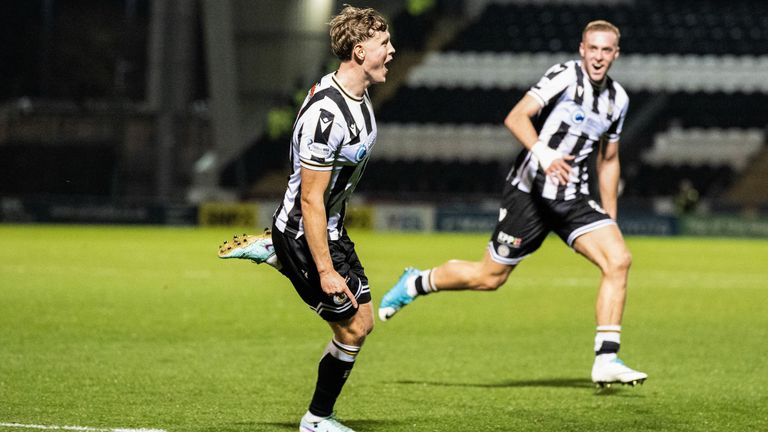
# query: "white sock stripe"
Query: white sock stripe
345,347
431,280
609,328
346,353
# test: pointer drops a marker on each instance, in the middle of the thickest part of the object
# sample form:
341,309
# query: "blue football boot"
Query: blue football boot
397,297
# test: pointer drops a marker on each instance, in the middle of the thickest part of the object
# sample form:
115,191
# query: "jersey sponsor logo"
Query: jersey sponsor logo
578,116
321,151
509,240
596,206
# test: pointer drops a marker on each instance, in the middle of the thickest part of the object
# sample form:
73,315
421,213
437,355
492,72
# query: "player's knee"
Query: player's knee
359,329
491,282
620,263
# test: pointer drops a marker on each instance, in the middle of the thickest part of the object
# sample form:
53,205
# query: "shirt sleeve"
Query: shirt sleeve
321,137
614,131
555,80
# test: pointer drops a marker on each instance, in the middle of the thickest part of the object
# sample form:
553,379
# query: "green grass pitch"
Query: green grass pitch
108,327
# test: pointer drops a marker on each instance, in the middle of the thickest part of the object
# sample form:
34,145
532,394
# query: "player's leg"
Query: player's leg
606,248
485,275
453,275
350,328
334,368
518,233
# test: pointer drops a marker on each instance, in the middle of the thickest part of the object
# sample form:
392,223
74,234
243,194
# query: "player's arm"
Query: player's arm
519,122
608,174
313,186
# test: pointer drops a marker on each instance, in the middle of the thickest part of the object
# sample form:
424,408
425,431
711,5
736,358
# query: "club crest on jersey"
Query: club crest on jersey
578,116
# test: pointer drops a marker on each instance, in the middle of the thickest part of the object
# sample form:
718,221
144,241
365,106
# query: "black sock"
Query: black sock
422,284
332,373
608,347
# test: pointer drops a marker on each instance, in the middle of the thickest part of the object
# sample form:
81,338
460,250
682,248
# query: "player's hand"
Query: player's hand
333,284
560,169
554,163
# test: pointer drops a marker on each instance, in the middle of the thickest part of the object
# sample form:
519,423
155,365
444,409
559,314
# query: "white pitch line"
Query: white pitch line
76,428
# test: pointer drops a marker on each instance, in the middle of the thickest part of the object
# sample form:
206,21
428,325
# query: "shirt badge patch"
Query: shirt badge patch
361,152
578,116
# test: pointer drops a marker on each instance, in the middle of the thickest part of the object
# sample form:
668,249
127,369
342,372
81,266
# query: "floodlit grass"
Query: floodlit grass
145,328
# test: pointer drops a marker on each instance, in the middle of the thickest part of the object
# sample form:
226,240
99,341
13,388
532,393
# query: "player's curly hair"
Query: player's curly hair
352,26
601,25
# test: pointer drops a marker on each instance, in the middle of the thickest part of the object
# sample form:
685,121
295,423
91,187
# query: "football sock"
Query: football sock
421,284
312,418
332,373
274,262
608,341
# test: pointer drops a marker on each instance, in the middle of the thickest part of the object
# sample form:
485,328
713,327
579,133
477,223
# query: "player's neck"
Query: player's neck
351,79
599,84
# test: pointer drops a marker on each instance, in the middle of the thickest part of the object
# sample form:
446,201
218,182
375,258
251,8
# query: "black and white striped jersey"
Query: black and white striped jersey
335,132
575,116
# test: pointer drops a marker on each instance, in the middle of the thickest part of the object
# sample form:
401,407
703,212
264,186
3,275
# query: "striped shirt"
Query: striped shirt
575,116
335,132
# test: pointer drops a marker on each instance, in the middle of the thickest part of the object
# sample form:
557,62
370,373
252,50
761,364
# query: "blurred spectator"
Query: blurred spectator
687,198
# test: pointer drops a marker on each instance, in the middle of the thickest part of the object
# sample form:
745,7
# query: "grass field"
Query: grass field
107,327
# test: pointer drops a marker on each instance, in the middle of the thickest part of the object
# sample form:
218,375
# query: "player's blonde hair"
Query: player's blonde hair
353,26
601,25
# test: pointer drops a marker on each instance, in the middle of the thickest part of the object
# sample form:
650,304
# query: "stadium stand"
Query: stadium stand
694,71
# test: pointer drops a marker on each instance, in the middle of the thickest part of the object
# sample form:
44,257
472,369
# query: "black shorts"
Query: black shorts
525,220
298,266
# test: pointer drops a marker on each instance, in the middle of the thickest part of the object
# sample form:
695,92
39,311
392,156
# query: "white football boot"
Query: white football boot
326,424
609,369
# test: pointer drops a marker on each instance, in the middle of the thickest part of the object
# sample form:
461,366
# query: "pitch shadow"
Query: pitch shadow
548,382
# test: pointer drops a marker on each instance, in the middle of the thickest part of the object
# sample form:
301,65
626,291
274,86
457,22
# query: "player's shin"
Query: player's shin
333,371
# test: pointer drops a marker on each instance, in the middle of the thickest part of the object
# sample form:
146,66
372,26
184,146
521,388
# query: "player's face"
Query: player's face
378,52
598,50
